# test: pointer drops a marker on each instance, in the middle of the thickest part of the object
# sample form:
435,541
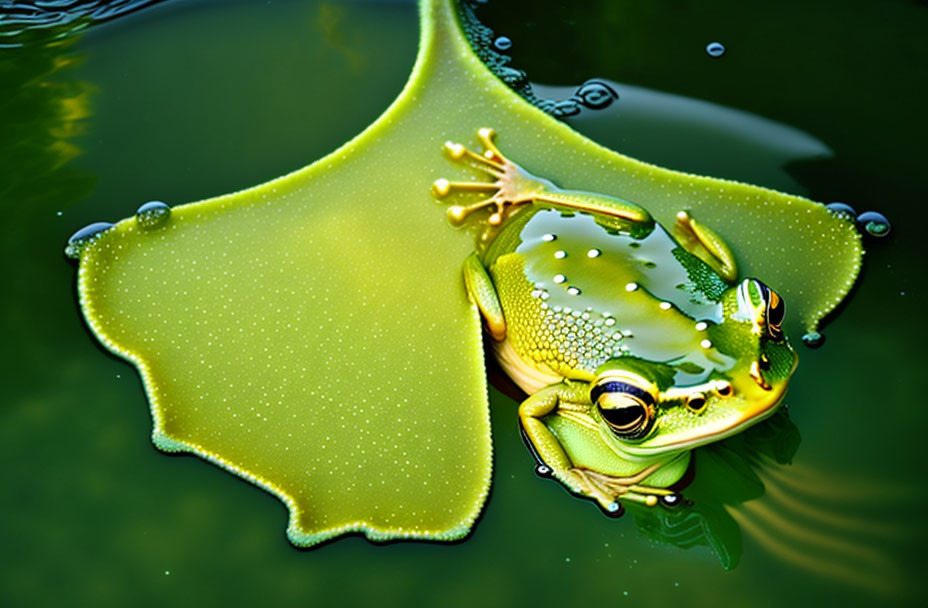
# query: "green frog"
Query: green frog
635,344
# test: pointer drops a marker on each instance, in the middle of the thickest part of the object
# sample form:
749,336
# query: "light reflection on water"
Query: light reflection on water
734,144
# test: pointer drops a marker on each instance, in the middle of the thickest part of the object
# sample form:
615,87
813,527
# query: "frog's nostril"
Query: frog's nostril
696,403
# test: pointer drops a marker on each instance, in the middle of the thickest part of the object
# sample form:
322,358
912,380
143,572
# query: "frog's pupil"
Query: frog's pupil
627,418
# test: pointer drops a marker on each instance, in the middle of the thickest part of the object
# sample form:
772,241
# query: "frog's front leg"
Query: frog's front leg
550,400
482,292
513,186
705,244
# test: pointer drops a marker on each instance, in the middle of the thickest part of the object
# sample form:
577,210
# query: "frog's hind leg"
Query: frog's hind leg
547,448
481,290
706,245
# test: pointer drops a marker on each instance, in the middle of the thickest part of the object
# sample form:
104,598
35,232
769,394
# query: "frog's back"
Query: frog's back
575,293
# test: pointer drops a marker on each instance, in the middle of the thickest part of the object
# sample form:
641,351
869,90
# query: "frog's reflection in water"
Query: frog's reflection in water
746,489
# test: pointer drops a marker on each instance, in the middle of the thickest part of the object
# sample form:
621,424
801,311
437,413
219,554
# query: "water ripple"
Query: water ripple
42,21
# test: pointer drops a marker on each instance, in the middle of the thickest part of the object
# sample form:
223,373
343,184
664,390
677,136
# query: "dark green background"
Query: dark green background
192,99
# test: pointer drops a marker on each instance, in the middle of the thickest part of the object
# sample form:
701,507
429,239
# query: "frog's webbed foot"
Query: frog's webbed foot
510,186
706,245
581,482
513,186
607,490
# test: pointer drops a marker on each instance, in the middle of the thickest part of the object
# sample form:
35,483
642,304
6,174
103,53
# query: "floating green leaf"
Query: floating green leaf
312,334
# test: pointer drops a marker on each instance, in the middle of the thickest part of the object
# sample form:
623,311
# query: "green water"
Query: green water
191,99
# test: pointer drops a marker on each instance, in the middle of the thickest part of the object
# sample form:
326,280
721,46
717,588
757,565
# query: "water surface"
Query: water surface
190,99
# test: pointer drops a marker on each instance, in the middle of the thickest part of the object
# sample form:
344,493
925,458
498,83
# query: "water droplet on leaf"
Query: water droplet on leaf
843,209
82,237
152,214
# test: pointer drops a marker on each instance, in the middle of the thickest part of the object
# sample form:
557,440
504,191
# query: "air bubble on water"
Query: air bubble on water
82,237
152,214
503,43
842,209
715,49
874,223
512,76
596,94
813,339
567,107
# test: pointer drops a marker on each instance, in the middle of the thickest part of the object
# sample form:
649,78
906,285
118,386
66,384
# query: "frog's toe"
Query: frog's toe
486,135
454,150
613,509
584,484
491,161
442,187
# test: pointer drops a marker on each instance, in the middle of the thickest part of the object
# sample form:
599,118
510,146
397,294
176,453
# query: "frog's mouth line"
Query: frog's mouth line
714,432
753,416
531,379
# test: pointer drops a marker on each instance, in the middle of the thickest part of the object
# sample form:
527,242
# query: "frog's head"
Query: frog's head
643,414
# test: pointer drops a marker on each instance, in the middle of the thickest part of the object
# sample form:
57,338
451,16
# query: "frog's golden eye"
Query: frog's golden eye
773,308
626,408
776,312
